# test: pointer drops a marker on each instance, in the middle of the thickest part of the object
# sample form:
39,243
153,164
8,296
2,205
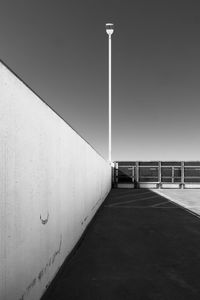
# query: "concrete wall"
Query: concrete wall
51,184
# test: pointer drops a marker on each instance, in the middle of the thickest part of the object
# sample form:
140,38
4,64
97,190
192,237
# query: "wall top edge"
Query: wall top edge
41,99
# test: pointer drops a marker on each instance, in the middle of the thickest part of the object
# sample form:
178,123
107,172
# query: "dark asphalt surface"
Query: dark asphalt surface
140,246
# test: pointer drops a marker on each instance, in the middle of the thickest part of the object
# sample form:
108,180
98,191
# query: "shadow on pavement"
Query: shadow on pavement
139,246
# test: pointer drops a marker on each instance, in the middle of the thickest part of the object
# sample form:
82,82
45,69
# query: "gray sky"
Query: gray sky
59,48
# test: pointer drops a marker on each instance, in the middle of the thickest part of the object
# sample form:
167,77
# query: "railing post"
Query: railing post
113,174
159,174
172,174
182,175
116,175
137,174
133,176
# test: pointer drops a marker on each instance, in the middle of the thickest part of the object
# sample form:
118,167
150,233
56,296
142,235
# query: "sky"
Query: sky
60,49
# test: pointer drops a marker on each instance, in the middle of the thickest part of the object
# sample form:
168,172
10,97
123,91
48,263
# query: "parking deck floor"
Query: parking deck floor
140,246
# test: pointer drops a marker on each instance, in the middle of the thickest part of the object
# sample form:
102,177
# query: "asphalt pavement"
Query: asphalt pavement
139,246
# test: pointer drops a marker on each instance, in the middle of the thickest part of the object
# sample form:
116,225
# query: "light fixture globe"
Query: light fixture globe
109,28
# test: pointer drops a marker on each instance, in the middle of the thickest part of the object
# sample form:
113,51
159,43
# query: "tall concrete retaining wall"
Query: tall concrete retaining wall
51,184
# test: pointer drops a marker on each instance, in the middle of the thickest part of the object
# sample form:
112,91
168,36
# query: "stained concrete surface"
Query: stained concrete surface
51,184
140,246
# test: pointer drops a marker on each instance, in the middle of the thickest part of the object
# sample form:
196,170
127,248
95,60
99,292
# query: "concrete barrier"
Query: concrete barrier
51,184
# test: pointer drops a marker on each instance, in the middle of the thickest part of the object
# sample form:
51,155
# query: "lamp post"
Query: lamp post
109,31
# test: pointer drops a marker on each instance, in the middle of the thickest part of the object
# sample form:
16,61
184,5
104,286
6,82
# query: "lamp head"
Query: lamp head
109,28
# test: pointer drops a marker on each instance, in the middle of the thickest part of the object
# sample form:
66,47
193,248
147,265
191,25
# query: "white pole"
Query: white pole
109,97
109,30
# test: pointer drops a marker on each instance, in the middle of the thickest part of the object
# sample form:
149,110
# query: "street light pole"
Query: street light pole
109,31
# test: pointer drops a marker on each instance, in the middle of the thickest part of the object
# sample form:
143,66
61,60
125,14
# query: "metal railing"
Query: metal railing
159,173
